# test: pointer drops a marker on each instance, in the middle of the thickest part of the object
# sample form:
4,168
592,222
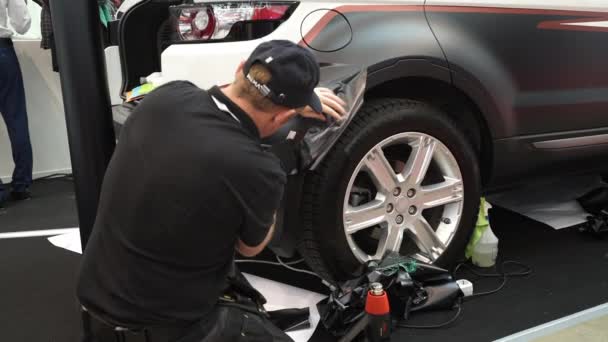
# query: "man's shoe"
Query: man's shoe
21,195
3,199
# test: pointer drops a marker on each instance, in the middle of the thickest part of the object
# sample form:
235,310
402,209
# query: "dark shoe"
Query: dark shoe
21,195
3,199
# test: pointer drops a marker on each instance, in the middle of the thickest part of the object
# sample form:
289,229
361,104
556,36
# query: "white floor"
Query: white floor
585,326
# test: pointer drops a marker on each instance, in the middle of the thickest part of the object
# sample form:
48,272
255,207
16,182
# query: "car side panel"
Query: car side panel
544,66
380,33
518,161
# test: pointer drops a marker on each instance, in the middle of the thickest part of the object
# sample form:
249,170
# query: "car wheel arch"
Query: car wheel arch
457,104
402,78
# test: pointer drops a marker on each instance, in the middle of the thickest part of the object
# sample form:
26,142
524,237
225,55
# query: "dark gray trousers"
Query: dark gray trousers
238,319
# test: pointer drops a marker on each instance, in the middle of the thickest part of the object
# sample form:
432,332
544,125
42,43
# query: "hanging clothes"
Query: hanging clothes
46,28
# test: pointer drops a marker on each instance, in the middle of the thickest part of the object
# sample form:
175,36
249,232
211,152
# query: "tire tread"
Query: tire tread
309,246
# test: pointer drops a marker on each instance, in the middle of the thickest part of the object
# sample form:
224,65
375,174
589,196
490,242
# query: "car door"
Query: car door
543,62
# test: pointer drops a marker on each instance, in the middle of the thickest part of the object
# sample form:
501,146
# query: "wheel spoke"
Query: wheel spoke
448,191
418,163
426,239
362,256
400,183
391,242
381,171
364,216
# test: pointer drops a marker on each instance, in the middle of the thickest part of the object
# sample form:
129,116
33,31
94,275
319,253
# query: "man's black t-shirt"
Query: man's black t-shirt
188,178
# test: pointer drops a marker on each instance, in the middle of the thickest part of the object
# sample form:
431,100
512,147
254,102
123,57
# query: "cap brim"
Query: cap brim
315,103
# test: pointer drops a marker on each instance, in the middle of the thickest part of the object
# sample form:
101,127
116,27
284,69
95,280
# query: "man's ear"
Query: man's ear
240,68
282,117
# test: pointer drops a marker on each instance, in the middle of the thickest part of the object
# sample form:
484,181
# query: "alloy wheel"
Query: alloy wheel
405,195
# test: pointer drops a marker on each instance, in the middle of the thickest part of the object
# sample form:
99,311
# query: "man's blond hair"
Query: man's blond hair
246,90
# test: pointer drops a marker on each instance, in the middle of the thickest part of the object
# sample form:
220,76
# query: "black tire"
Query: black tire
323,243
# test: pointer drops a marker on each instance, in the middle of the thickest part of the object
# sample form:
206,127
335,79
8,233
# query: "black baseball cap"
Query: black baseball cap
295,74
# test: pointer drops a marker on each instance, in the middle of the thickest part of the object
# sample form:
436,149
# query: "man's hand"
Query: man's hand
251,251
332,106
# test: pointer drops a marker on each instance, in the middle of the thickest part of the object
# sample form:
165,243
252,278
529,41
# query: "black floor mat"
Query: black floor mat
52,206
38,302
569,276
38,292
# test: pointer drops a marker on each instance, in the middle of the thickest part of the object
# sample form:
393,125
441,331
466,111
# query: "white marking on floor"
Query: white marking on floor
282,296
36,233
557,325
69,241
279,295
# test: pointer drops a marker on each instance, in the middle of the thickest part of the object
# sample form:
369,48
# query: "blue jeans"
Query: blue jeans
12,107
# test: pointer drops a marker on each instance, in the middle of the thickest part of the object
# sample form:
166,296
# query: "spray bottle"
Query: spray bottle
483,247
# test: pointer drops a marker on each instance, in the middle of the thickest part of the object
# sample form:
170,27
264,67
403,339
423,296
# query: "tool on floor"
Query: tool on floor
378,310
483,246
596,224
596,204
397,286
376,322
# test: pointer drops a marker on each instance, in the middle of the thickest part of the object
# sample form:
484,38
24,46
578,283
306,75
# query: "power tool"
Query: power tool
377,308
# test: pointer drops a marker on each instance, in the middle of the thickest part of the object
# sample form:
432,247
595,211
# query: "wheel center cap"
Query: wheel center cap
402,205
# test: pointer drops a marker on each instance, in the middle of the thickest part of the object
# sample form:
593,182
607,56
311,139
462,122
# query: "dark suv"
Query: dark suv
458,101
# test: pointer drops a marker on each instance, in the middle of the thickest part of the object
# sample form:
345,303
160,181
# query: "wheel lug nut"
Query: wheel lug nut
447,221
389,208
397,192
411,193
413,210
399,219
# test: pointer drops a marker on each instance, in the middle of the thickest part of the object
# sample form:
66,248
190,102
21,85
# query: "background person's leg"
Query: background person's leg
13,108
3,194
4,71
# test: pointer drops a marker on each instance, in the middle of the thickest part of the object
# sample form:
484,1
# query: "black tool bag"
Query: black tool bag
595,203
404,279
239,316
242,295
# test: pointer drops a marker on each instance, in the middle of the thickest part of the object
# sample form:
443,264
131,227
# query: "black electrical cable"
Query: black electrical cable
67,176
279,262
435,326
527,270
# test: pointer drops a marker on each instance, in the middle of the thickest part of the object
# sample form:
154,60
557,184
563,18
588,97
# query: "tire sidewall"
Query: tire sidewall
344,160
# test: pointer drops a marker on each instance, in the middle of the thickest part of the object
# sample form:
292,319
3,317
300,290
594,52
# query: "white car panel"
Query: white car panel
214,63
113,73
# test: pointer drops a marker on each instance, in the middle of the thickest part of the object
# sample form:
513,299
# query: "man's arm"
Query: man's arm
19,16
256,181
251,251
